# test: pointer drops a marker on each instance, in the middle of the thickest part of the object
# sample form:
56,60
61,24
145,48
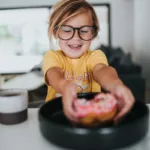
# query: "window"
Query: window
24,31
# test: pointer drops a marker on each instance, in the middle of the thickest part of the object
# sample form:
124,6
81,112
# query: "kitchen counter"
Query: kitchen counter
27,136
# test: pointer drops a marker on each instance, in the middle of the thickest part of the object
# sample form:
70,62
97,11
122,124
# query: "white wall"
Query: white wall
121,18
142,36
121,22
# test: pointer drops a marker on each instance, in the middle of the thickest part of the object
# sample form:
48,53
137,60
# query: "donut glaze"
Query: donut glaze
99,110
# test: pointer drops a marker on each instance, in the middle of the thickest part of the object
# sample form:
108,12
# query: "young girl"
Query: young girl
74,68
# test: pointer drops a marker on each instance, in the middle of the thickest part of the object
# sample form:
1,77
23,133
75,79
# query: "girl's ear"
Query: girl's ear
54,34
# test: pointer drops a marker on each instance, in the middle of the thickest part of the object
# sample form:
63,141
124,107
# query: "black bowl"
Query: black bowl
57,129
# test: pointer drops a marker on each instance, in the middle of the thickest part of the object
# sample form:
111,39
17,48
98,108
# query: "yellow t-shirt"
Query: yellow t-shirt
79,70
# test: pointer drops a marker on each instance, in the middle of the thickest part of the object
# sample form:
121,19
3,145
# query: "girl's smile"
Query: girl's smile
75,47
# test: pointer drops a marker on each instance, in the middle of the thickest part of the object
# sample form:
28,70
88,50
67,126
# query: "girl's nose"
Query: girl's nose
76,35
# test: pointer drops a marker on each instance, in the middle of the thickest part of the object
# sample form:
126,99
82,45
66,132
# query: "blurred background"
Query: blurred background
124,37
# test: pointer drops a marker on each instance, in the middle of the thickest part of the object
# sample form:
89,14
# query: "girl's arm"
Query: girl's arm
108,78
55,78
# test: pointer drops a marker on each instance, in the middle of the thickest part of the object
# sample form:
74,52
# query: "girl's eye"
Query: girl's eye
83,31
67,30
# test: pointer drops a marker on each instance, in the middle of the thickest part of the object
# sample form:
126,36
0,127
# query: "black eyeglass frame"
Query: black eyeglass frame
78,29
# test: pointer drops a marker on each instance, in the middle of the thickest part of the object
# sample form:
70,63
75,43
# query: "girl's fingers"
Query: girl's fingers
71,115
122,113
70,112
68,99
128,104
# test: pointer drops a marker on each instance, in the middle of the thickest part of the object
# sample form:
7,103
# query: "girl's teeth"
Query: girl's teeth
75,46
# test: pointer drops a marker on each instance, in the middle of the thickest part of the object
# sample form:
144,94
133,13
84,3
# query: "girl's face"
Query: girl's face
76,47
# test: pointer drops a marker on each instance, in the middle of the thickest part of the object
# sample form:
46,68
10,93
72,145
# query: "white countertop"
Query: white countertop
27,136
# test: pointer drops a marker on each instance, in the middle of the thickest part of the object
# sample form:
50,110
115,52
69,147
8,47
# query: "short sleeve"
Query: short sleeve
51,59
97,57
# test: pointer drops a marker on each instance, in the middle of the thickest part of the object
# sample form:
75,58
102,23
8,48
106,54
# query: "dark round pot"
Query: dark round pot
57,129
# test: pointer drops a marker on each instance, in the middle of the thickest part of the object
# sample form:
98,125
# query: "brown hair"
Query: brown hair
69,8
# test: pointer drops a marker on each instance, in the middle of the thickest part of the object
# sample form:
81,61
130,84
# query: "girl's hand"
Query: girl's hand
69,94
125,100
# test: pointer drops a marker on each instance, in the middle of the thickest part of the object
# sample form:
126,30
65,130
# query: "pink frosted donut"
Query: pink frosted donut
99,110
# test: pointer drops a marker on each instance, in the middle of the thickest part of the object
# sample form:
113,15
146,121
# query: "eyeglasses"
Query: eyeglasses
86,33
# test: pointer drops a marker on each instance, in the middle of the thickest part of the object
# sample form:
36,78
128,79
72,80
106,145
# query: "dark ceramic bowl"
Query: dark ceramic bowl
57,129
